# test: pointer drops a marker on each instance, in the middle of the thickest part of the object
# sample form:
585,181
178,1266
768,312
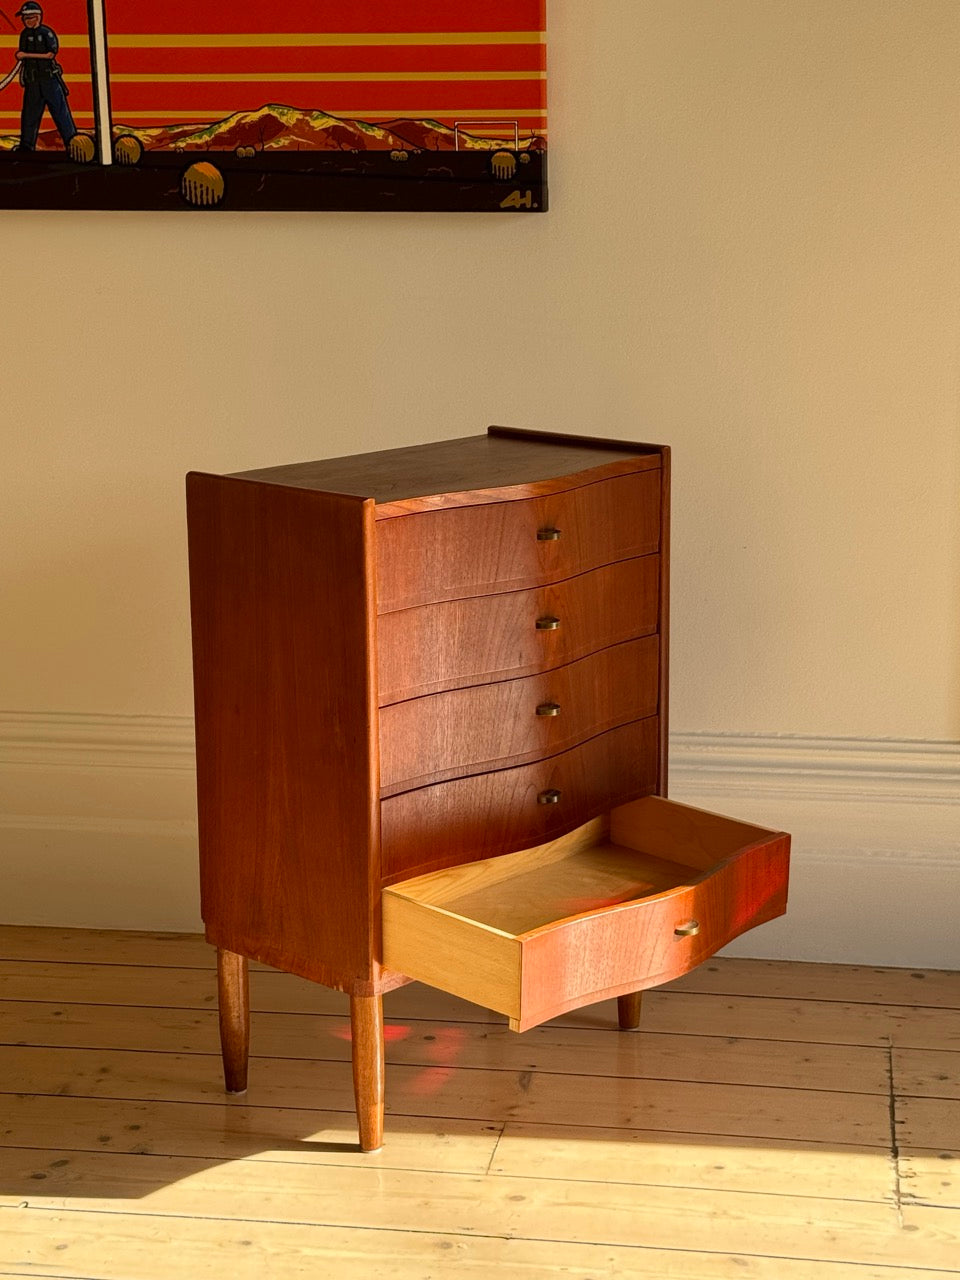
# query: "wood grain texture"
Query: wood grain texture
628,1010
605,920
497,726
558,1047
117,1246
451,1090
914,989
482,550
807,1011
729,1223
668,1010
495,467
926,1073
233,983
683,833
470,818
635,946
234,1131
445,951
366,1028
456,643
451,886
771,1156
285,696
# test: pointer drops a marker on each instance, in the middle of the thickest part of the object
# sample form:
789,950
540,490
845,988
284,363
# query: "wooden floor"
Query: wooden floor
770,1120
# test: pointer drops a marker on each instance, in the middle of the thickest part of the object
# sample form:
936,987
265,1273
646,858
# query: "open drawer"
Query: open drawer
625,902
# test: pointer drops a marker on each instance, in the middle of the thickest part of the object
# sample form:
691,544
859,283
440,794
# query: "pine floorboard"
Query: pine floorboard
772,1120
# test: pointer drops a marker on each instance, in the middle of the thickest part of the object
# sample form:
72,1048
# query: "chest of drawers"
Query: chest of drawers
431,717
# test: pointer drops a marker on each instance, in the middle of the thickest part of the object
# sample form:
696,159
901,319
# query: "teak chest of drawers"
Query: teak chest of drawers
431,718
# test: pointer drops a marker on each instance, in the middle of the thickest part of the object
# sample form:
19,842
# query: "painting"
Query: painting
406,105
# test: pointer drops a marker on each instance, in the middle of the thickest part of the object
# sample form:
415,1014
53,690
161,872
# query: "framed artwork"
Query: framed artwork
243,105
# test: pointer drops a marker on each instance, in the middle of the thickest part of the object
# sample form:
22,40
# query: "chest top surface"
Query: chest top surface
449,470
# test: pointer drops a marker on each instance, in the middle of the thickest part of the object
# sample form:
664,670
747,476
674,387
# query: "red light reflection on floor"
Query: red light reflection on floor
429,1081
442,1047
445,1048
392,1031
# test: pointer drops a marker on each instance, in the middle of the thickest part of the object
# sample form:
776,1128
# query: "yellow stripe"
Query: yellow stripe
204,77
307,39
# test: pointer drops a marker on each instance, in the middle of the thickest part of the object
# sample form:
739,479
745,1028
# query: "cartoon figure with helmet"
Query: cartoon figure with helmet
41,77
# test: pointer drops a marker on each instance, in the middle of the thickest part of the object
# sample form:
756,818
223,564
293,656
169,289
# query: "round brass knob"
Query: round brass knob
548,709
548,535
548,797
547,623
688,930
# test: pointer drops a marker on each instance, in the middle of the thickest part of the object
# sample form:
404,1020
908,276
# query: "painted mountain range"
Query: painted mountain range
275,127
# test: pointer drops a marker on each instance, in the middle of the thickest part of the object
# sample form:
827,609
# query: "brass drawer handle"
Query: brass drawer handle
548,797
547,623
548,709
688,930
548,535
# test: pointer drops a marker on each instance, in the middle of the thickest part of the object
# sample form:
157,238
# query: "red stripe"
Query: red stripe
333,97
375,58
133,17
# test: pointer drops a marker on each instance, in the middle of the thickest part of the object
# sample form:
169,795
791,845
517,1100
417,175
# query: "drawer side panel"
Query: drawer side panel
451,953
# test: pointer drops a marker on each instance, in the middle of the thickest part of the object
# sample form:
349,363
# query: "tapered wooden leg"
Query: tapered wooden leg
628,1009
366,1024
233,981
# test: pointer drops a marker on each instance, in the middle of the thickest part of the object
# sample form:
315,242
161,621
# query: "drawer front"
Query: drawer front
469,731
457,643
508,546
523,935
643,944
492,813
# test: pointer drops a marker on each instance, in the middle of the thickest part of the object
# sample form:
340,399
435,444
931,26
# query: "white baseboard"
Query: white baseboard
98,830
98,822
875,865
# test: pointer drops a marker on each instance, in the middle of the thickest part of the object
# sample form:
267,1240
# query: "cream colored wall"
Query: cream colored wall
753,255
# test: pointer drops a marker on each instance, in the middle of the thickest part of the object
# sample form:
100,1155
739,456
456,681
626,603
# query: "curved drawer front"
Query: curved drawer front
507,546
492,813
554,927
457,643
450,735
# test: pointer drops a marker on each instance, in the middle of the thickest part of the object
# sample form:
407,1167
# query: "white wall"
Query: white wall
753,255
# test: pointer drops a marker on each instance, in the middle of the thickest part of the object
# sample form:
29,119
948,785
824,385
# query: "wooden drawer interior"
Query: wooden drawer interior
620,904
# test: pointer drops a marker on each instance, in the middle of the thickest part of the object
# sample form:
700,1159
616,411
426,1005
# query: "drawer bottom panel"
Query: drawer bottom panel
462,821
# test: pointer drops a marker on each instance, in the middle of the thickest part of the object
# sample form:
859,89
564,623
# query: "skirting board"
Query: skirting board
98,830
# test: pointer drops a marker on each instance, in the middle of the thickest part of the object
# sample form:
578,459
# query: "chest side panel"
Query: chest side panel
285,698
